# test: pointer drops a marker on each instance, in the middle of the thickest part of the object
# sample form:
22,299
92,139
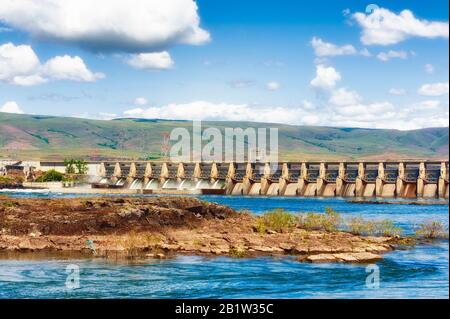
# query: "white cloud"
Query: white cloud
104,116
151,61
113,25
273,86
326,77
435,89
343,97
429,68
384,27
323,49
347,109
136,112
397,92
308,105
17,61
386,56
349,112
366,112
429,104
19,65
203,110
140,101
11,107
70,68
28,80
347,105
429,113
365,52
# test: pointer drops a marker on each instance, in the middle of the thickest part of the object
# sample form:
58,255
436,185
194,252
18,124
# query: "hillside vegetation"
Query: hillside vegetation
56,138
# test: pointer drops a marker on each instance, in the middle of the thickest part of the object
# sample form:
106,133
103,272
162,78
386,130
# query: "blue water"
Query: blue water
418,272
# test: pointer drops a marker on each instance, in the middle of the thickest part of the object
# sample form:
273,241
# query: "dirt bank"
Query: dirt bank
161,227
7,184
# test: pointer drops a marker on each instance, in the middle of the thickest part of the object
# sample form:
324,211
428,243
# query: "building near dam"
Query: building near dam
403,179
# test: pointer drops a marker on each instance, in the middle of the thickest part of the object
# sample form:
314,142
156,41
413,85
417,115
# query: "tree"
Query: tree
82,167
70,166
76,167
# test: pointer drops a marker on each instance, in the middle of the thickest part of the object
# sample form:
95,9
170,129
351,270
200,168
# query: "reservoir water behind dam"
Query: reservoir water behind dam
413,272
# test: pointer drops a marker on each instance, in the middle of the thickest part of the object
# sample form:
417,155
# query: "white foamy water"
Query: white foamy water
25,190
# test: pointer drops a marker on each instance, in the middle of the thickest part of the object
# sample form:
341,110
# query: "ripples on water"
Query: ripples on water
420,272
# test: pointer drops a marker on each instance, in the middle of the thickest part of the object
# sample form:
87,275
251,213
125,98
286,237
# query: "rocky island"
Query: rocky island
160,227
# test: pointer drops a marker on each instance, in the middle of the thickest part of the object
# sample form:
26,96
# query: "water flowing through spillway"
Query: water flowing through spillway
180,187
170,184
136,184
217,185
152,184
120,182
204,184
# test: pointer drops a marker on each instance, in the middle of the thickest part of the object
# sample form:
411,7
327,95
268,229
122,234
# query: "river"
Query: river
418,272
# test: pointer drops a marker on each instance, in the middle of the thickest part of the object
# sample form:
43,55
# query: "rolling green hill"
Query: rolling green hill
56,138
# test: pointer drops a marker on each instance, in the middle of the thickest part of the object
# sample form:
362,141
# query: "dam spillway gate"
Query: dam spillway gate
403,179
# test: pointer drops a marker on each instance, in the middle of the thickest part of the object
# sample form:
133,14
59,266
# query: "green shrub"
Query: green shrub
278,220
432,230
261,226
330,221
310,221
386,228
51,176
4,179
360,226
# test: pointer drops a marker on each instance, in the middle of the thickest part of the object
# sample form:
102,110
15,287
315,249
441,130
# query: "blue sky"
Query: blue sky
234,60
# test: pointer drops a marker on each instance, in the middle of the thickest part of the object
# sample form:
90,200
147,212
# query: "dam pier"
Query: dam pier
390,179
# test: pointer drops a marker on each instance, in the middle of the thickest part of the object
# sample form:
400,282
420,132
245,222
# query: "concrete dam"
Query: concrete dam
404,179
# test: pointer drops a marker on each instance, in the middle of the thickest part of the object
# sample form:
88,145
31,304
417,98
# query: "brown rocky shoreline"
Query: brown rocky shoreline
160,227
10,185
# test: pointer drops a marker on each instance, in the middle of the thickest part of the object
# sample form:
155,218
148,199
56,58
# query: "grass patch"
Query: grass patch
386,228
361,226
9,204
432,230
236,253
4,179
276,220
134,243
330,221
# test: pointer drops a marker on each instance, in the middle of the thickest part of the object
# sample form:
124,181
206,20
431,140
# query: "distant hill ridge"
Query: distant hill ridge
55,138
